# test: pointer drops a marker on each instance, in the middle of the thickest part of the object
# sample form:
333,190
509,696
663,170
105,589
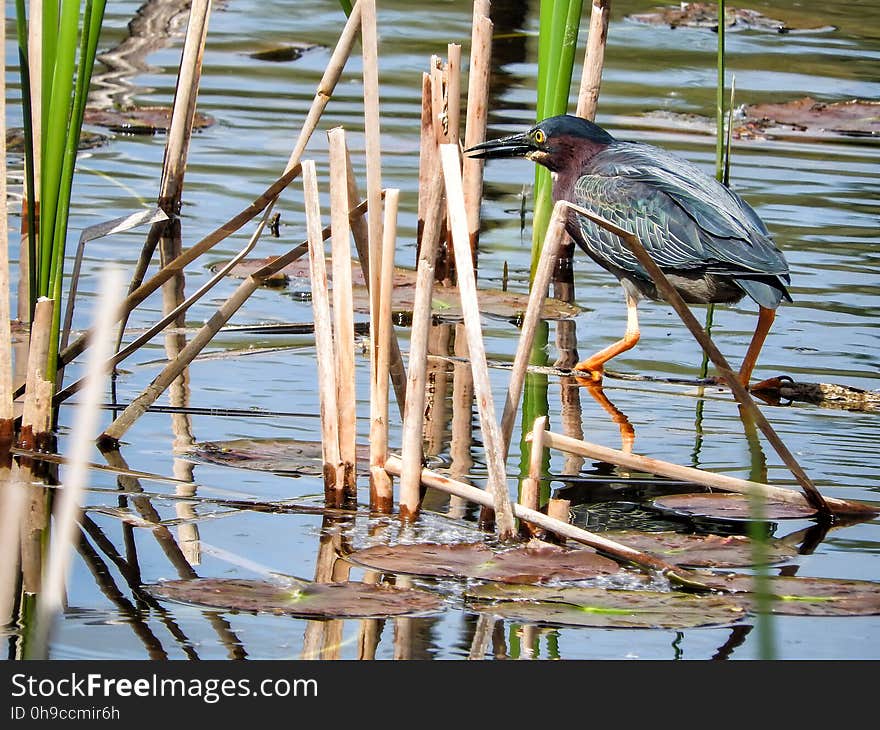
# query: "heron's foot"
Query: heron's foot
588,373
771,385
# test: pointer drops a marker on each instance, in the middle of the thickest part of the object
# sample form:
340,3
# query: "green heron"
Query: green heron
708,241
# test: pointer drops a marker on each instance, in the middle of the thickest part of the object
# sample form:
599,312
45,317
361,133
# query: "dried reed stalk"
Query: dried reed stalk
412,439
480,496
381,494
36,421
323,332
740,392
176,152
553,240
360,231
477,114
467,287
453,92
428,164
373,150
343,310
67,509
697,476
529,489
594,60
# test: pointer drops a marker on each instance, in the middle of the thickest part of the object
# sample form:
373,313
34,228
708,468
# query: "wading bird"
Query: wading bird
707,240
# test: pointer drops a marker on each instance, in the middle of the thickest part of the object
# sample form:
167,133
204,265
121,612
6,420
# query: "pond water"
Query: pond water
819,197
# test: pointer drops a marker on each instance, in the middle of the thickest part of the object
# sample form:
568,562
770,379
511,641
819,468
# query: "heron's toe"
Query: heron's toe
588,374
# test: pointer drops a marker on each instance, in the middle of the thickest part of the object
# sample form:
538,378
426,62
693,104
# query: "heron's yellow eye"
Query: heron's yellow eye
540,137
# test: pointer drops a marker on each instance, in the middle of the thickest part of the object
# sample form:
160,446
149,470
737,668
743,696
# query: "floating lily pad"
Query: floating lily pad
445,300
313,600
283,54
475,560
855,117
705,15
598,607
796,596
281,456
707,551
728,506
141,120
87,140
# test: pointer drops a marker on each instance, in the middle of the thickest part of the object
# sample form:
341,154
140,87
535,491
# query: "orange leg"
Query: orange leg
594,366
765,321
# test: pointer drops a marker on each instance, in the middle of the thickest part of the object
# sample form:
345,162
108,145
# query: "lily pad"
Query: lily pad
313,600
280,456
705,15
445,300
855,117
705,551
140,120
475,560
283,54
598,607
797,596
728,506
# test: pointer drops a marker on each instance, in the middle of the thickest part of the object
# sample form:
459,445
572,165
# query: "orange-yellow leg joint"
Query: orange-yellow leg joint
594,367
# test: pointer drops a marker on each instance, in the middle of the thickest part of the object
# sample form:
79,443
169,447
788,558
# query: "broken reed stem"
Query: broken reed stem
594,59
563,529
381,494
467,287
540,286
412,443
67,509
530,488
343,309
323,330
36,413
740,392
697,476
477,114
184,108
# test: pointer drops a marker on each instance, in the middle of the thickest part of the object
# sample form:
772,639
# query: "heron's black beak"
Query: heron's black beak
516,145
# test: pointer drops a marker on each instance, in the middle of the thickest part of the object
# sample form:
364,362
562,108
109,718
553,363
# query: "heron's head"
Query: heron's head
554,143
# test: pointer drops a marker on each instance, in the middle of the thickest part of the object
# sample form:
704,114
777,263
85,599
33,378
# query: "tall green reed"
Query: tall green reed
68,39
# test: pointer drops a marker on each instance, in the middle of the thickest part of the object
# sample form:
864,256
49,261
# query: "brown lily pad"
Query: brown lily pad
141,120
704,551
312,600
856,117
728,506
797,596
705,15
445,301
598,607
475,560
280,456
15,142
283,54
